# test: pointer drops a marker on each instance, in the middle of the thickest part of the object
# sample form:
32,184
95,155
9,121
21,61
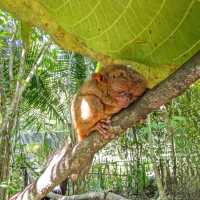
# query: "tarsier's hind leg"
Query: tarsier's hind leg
87,118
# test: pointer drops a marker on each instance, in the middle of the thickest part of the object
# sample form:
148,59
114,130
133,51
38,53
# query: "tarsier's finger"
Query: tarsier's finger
102,131
104,125
106,121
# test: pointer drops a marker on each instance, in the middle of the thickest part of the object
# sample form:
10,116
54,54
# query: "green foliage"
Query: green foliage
43,114
169,140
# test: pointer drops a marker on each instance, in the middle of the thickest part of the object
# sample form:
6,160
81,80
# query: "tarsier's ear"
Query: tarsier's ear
98,77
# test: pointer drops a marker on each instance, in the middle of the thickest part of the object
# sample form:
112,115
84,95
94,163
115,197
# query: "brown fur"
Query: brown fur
106,93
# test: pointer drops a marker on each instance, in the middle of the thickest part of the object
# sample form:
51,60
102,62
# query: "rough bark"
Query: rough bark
75,161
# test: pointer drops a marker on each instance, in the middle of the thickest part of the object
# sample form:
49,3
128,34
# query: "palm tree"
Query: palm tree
37,79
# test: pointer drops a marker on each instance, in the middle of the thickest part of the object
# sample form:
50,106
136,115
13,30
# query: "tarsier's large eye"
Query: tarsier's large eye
119,74
122,93
125,93
114,76
123,74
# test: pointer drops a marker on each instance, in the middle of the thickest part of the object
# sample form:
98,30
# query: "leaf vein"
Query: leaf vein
145,28
88,15
113,23
175,29
188,50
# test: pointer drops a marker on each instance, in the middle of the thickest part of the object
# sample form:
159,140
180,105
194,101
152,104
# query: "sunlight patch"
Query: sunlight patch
46,178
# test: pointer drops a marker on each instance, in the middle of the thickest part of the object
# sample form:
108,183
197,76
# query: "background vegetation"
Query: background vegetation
158,159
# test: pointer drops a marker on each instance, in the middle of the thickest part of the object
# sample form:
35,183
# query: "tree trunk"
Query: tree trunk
5,152
9,107
162,194
170,133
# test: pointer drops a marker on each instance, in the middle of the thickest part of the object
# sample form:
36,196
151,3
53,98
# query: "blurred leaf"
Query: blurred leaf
156,36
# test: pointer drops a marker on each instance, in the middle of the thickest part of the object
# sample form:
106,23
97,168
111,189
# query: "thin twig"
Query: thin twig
2,98
12,108
35,66
11,59
22,84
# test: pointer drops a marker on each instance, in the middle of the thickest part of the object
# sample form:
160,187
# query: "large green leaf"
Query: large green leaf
157,36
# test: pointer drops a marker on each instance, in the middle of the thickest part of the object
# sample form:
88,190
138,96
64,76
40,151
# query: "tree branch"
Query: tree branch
89,196
74,161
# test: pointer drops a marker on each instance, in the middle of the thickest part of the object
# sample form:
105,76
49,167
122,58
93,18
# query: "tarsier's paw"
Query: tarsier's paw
103,126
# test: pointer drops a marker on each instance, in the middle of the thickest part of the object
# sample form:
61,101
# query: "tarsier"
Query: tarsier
106,93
